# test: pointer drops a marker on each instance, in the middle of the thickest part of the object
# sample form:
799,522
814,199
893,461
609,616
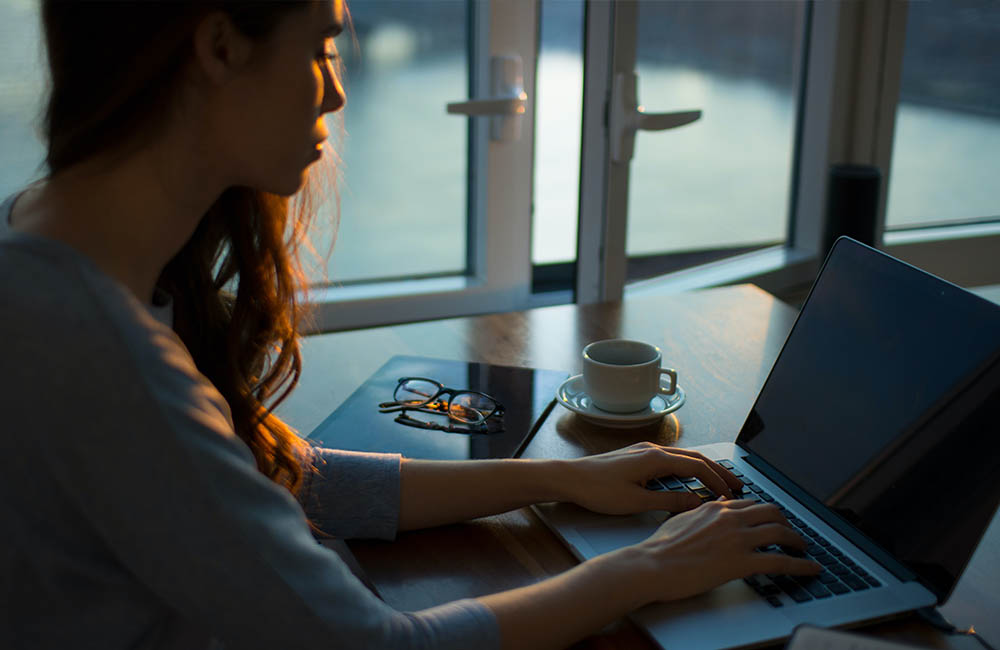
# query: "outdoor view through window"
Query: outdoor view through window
944,163
721,182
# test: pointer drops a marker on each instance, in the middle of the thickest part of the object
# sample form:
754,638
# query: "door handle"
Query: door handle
626,117
507,105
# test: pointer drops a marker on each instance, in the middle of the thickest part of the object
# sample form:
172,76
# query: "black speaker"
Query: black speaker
852,204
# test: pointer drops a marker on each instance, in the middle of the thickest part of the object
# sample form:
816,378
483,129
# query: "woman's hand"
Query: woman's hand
695,551
615,483
691,553
436,492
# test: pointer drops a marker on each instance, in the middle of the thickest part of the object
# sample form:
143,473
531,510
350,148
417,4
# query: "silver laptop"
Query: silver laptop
876,432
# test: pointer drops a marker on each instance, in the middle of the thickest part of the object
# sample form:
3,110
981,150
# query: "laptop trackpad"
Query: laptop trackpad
728,616
612,533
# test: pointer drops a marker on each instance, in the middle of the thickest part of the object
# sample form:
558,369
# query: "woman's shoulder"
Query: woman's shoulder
62,313
45,277
80,343
48,285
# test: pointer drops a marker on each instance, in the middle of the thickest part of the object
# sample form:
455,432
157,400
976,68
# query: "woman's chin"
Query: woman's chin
289,186
291,181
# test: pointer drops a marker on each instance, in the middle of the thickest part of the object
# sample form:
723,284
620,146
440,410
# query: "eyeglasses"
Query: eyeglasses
429,396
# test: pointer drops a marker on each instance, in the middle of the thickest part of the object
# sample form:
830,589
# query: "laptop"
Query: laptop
875,432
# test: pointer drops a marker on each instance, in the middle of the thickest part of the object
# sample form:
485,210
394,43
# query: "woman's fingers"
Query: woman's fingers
755,513
685,465
684,462
765,525
780,563
724,473
767,534
737,504
673,501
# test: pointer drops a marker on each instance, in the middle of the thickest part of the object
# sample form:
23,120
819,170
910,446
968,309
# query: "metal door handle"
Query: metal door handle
626,117
508,102
495,106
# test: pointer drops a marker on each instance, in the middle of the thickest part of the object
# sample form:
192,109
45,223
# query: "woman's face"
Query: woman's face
275,125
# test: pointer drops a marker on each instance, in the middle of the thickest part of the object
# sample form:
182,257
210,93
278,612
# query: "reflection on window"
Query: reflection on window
22,75
558,114
403,160
944,162
722,182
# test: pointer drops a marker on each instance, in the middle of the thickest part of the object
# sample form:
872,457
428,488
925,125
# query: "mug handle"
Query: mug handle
673,381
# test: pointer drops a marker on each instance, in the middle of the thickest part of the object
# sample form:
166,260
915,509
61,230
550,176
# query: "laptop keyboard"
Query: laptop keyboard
840,576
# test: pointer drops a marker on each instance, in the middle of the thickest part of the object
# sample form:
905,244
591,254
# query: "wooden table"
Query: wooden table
722,342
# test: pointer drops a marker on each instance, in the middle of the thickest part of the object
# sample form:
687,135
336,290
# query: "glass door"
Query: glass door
721,185
436,163
701,137
403,160
947,128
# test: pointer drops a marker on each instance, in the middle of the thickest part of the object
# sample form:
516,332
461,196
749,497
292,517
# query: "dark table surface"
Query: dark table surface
722,342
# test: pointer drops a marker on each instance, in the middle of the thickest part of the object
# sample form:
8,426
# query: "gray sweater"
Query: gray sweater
132,516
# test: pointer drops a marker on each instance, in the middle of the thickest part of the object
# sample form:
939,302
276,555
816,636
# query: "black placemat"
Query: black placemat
527,395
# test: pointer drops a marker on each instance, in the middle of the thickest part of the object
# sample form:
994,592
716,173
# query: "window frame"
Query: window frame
846,114
498,276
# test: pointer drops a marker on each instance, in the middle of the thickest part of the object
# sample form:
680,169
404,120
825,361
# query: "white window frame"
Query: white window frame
848,116
603,232
855,60
964,254
499,276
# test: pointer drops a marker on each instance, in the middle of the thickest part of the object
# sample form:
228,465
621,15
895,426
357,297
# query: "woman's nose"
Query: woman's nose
334,97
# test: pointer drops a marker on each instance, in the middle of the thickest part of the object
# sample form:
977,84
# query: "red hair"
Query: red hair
115,67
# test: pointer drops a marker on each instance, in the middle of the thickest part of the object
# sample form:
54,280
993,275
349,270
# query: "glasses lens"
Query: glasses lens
471,407
415,392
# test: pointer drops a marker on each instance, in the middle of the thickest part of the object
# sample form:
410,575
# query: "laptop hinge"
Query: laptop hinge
832,519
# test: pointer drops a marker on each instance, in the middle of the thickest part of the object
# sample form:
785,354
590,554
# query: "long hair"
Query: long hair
115,67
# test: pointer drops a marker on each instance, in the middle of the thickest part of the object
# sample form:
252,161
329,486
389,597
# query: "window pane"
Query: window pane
22,78
558,114
944,161
403,159
723,181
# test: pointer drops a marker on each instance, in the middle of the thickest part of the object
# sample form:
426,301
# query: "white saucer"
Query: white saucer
571,395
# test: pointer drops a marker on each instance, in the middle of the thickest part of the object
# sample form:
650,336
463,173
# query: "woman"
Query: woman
152,498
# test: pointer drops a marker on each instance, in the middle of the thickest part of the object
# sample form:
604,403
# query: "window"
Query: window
403,182
856,83
22,63
479,260
559,102
944,163
723,182
440,218
429,224
728,74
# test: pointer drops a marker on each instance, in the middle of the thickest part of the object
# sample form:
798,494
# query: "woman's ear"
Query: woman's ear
220,49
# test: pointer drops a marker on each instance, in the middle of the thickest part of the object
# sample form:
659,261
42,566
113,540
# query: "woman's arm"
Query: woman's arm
441,492
433,493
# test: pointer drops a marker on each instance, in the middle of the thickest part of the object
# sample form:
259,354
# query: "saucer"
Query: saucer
571,395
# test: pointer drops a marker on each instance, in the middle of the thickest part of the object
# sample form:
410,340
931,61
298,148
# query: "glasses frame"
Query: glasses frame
433,405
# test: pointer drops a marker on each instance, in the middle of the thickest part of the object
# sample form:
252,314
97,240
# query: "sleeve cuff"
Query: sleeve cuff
351,494
460,625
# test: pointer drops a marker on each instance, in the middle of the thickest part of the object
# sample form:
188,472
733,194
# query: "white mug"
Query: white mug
622,376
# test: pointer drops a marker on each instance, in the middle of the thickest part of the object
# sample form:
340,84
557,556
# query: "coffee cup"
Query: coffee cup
622,376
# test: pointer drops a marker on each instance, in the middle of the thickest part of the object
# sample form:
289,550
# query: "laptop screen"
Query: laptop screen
884,404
